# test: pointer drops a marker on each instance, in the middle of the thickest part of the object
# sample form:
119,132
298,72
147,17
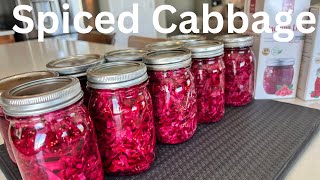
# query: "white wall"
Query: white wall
146,9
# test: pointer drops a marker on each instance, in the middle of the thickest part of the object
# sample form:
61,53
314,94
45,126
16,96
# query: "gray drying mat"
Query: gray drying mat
259,141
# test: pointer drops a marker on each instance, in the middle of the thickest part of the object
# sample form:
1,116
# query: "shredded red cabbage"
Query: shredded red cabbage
57,145
4,127
210,81
174,103
125,127
239,76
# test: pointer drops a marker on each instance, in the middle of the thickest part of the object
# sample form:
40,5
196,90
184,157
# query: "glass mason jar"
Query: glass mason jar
239,60
279,72
187,38
316,93
8,83
77,66
121,108
209,71
165,45
174,95
125,55
51,133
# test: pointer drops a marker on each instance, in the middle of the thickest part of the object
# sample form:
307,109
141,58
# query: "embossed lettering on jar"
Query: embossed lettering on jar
239,60
121,107
76,66
8,83
174,95
279,73
209,71
51,132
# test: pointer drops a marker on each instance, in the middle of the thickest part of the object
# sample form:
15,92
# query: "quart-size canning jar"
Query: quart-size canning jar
121,107
279,72
209,72
51,133
8,83
174,95
77,66
239,60
187,38
125,55
165,45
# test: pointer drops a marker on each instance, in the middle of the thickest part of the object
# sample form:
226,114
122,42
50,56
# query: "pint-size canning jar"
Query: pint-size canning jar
51,133
125,55
239,60
121,108
187,38
209,72
8,83
165,45
174,95
279,73
77,66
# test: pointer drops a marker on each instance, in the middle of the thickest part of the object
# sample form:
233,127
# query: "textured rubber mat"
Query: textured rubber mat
259,141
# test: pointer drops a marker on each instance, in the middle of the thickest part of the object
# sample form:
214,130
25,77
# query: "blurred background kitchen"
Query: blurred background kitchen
7,20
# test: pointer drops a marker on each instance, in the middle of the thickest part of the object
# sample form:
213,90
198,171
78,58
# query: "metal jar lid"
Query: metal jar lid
281,62
75,66
125,55
18,79
236,40
168,59
165,45
205,48
187,38
41,96
117,75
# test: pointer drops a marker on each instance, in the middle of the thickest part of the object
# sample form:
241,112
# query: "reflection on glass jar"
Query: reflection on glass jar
279,73
121,108
53,138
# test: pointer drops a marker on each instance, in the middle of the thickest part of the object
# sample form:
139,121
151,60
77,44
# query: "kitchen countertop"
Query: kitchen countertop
6,33
32,56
